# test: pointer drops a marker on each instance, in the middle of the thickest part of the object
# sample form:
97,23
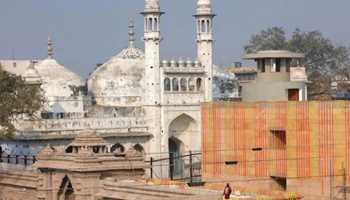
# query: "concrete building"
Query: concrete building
243,74
280,77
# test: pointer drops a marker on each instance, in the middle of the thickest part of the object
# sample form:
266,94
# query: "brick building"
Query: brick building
301,147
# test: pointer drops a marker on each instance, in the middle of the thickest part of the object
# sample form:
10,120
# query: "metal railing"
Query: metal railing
180,167
25,160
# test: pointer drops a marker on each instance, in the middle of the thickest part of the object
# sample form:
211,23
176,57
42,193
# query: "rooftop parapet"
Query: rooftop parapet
273,54
80,124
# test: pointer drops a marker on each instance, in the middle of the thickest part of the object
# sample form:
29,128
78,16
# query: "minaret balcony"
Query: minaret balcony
205,37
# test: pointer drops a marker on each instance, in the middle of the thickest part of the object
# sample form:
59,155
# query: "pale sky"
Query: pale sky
86,32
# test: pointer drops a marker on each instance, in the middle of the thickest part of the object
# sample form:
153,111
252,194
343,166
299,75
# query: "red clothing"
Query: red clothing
227,192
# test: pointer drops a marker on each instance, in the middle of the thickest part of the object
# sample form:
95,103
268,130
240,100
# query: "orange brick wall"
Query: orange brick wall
317,135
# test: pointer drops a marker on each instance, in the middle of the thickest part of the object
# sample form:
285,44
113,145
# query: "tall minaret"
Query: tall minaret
152,39
204,21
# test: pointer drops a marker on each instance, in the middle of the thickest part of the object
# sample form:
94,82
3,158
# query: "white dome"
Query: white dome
118,82
203,7
152,5
203,3
56,79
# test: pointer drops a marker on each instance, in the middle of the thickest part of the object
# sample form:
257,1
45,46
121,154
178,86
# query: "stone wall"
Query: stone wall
18,182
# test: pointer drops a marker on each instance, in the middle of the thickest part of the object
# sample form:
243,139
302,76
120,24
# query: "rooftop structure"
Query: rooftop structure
280,77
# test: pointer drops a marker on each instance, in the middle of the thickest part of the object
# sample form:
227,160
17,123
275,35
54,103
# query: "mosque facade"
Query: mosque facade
134,100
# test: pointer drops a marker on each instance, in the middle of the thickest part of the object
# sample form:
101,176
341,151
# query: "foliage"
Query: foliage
16,98
323,60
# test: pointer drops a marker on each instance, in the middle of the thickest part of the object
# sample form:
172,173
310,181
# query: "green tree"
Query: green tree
323,60
16,97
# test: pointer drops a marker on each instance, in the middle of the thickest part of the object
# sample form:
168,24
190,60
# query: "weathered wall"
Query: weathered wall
317,143
17,182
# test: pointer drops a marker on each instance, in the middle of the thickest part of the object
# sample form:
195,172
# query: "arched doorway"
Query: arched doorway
183,137
66,191
176,169
139,148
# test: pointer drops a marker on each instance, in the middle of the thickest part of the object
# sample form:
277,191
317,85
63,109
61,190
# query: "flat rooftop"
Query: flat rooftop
273,54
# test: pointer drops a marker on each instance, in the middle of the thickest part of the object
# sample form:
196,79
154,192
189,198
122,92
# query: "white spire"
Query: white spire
203,7
49,48
131,33
152,5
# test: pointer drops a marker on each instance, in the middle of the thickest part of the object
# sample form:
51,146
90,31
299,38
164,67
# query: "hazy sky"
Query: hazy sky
86,32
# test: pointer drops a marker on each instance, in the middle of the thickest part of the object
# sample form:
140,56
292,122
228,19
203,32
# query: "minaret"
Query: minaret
152,39
204,21
49,48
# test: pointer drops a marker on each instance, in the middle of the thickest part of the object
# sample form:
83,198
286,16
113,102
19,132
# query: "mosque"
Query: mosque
134,100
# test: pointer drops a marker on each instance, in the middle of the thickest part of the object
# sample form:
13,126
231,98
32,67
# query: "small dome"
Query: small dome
173,63
165,63
181,63
189,63
203,3
152,5
203,7
196,63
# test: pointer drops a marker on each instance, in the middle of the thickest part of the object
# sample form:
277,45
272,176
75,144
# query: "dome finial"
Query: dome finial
49,47
203,7
152,5
131,33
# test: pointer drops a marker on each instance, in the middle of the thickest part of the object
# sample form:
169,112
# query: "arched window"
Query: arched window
155,24
69,149
150,24
191,85
208,26
183,84
139,148
145,24
198,26
199,84
203,26
166,84
117,148
175,84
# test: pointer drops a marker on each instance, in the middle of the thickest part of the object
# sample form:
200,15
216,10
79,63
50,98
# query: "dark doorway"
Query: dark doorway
175,160
293,94
281,182
66,191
